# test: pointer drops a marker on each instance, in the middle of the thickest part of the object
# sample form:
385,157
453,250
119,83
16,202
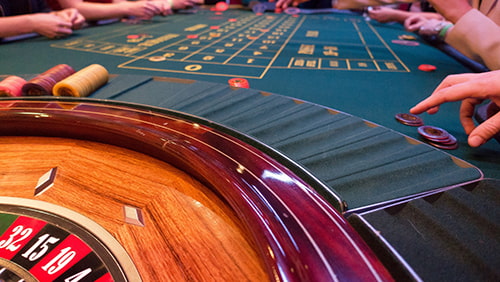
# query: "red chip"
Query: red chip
427,67
12,86
133,36
221,6
239,82
192,36
232,20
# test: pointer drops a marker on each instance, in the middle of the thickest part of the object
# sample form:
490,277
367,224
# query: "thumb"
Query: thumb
485,131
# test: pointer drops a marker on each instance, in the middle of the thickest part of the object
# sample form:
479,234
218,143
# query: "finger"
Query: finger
73,15
467,113
433,110
63,31
412,27
451,93
485,131
152,8
63,25
454,79
409,21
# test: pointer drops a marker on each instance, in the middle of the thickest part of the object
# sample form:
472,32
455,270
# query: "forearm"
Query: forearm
23,24
357,4
451,11
478,37
96,11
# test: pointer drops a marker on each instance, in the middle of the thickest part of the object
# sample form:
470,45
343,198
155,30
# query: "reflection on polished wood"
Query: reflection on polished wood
189,232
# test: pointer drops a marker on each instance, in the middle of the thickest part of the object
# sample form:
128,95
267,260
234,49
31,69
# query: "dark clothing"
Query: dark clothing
21,7
54,4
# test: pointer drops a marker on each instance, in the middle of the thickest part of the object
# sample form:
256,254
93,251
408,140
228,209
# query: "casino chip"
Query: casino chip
407,37
12,86
221,6
239,82
292,10
82,83
157,58
405,42
409,119
427,67
438,137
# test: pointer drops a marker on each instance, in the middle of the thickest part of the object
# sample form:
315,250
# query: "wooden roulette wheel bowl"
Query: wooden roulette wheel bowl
157,195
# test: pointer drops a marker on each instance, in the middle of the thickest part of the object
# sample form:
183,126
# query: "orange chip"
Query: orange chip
221,6
239,82
427,67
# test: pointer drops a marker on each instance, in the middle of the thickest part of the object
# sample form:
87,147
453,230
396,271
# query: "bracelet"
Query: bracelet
444,30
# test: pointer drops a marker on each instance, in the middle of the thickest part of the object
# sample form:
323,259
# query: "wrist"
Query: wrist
444,30
32,23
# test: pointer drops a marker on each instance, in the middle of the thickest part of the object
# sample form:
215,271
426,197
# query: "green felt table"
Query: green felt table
339,61
324,92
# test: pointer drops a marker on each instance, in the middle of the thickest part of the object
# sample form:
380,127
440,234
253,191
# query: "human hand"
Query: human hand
471,89
184,4
283,4
72,15
432,27
50,25
384,14
145,9
414,22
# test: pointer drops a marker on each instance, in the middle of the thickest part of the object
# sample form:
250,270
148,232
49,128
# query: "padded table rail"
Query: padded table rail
362,164
448,236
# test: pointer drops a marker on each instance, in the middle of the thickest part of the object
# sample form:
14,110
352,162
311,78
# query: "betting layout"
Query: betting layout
244,44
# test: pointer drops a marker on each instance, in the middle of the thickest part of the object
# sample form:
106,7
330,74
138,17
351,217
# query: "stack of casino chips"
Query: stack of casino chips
239,82
12,86
82,83
432,135
438,137
409,119
42,84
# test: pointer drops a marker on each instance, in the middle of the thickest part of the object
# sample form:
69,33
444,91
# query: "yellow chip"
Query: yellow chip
83,82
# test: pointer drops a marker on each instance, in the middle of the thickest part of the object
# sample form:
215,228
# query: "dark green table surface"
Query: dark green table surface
354,79
336,60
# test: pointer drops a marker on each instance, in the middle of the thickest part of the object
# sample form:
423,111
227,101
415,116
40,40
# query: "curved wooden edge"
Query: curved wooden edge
299,235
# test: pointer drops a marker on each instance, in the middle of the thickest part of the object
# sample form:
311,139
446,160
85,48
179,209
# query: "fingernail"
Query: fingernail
476,141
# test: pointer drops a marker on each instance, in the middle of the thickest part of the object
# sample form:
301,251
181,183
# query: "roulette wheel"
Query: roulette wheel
95,190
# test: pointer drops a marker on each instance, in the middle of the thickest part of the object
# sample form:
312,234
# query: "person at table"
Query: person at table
342,4
402,12
474,30
33,16
471,28
303,4
472,89
94,10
